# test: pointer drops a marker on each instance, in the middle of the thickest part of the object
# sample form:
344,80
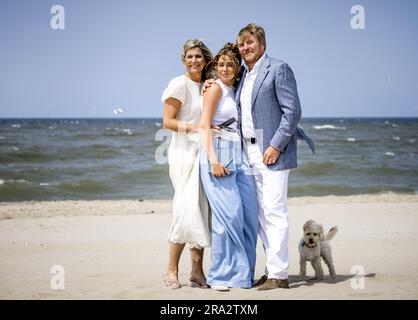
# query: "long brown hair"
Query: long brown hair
230,50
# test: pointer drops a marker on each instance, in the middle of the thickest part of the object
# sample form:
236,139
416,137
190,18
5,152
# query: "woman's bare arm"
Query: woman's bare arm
171,108
210,102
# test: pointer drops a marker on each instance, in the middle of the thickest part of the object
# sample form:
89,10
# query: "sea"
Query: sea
86,159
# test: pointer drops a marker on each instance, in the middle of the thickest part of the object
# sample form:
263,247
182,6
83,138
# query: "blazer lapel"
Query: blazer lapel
239,88
262,73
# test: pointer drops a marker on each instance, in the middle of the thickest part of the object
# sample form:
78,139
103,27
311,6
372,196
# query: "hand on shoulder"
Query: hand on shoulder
207,84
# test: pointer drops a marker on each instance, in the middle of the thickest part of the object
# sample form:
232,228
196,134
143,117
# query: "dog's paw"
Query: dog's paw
302,278
333,276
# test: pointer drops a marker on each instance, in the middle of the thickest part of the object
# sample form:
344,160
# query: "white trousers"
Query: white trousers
273,216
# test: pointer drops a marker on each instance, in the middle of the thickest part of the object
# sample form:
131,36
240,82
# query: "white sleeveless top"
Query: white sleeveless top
227,107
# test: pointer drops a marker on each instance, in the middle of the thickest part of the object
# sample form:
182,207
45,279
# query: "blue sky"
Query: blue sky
115,54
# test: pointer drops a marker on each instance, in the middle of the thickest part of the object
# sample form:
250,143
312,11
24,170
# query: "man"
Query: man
269,112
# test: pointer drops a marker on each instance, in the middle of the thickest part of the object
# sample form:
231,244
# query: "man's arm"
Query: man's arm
206,85
287,94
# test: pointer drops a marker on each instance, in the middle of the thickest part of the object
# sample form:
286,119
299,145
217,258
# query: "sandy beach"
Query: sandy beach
118,250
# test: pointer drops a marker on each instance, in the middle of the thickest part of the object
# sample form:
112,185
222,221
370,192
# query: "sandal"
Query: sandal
172,284
199,284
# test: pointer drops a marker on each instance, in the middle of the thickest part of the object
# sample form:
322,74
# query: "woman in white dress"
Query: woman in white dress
182,108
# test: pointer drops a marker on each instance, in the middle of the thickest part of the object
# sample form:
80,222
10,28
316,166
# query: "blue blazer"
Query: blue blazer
276,111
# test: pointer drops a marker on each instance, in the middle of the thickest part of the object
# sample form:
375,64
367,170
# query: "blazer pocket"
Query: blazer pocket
268,85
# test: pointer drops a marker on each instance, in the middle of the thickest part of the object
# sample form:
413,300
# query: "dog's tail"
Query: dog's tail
331,233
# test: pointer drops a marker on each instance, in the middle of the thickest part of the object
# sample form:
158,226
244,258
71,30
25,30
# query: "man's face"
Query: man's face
250,49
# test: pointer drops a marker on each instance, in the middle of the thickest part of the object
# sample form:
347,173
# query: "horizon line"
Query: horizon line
127,118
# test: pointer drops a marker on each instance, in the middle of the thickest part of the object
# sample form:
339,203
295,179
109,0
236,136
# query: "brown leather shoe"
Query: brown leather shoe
260,281
274,284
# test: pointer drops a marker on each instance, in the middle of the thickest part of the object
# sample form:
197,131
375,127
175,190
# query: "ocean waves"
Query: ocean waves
329,127
340,190
53,159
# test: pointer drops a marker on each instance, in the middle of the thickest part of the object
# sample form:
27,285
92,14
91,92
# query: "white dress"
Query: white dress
190,222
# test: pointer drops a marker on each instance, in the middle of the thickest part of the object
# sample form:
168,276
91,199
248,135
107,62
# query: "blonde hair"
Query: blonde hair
207,54
252,29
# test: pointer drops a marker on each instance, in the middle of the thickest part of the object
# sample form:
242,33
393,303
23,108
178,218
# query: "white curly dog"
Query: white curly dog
313,246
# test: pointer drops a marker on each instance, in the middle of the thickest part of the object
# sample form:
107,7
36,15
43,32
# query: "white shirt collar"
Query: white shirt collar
258,64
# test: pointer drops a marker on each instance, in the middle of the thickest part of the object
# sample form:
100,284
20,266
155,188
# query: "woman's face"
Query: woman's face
226,69
194,61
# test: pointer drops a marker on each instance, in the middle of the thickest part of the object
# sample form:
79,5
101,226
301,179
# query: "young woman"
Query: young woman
229,186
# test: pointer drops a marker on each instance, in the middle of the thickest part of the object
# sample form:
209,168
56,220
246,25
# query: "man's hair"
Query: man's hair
252,29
